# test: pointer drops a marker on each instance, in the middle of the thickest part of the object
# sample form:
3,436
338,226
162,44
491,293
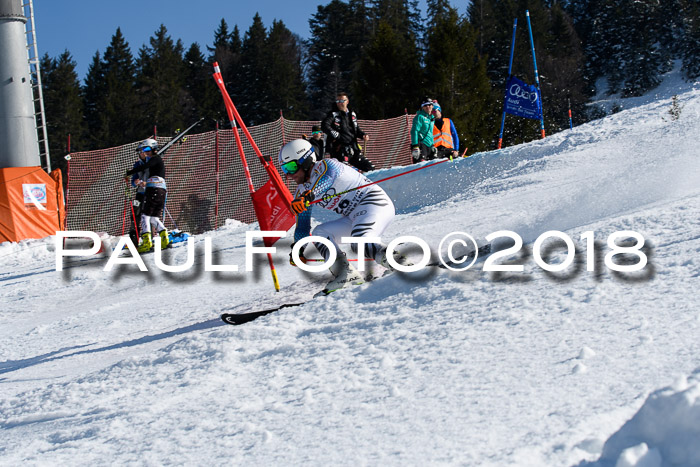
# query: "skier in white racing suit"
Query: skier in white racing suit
366,212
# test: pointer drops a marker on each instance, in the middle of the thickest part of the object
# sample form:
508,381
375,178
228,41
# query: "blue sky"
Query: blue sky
84,27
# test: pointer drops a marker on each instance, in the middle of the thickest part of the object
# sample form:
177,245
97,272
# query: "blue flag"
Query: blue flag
522,99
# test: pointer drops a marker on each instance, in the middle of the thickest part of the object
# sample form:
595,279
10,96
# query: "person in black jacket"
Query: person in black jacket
340,125
316,140
156,192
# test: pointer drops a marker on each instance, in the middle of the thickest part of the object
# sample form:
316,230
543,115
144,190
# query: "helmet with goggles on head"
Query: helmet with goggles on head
295,155
147,145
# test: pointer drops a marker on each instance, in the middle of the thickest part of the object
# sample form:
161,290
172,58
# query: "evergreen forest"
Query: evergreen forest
387,56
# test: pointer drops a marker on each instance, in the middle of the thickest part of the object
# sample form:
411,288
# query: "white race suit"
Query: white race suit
366,212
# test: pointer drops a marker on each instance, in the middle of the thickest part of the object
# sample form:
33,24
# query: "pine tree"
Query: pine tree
221,52
389,77
94,92
202,98
446,43
110,94
221,39
641,54
381,91
253,97
63,106
226,51
339,33
402,16
284,74
160,84
235,47
670,21
629,42
598,24
691,39
493,20
561,65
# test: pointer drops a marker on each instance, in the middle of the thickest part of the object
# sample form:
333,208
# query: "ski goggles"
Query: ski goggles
291,167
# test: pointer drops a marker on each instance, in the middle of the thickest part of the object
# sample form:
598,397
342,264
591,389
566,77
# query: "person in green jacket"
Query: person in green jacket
422,133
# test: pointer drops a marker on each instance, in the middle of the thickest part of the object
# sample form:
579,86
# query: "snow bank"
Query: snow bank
12,253
664,432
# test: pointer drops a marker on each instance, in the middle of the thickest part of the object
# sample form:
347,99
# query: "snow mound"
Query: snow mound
26,251
664,432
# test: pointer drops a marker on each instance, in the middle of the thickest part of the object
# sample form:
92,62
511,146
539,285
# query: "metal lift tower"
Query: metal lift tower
31,200
19,146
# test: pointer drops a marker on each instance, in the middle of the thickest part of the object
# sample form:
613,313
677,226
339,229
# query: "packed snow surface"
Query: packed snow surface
531,368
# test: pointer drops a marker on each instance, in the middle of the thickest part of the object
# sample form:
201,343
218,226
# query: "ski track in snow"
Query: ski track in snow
467,368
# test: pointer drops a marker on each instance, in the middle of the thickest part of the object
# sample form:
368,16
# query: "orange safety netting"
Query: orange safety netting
204,174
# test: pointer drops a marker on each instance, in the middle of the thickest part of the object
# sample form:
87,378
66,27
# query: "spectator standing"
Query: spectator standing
422,133
445,136
343,131
316,140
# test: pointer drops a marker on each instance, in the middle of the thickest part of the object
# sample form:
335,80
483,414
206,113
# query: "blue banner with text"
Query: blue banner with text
522,99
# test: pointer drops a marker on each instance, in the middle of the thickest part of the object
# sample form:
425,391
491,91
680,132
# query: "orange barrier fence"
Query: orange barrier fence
204,174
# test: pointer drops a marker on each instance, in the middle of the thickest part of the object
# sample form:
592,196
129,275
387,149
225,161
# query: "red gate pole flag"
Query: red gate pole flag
272,202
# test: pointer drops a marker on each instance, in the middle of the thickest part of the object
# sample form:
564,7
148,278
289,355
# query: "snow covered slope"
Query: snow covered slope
472,368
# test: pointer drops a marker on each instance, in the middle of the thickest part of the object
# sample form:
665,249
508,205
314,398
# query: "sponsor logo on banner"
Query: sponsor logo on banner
34,195
274,208
270,210
522,99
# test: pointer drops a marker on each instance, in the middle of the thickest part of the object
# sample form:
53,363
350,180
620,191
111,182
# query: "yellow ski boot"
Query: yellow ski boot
146,243
164,239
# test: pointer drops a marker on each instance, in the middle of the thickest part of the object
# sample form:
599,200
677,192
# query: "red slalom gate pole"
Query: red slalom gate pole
234,118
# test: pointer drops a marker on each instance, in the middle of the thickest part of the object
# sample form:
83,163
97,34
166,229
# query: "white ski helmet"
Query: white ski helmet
295,155
147,145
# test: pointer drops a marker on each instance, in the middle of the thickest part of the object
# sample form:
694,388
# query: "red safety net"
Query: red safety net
204,174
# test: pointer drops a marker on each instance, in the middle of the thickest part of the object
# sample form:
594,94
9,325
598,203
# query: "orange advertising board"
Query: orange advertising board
29,205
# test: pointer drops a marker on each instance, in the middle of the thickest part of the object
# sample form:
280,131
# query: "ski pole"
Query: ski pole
126,201
171,218
374,183
126,208
133,218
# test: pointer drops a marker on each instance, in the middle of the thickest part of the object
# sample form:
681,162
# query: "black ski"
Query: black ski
242,318
237,319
